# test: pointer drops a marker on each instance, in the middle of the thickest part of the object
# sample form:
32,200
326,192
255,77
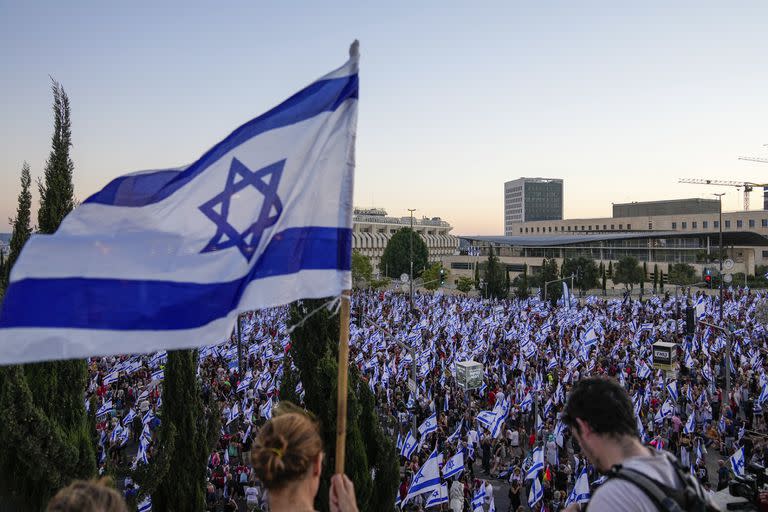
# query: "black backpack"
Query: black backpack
690,496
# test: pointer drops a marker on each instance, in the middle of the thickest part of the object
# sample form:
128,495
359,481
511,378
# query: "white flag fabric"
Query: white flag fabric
454,465
580,492
438,496
167,259
537,463
738,463
427,479
536,493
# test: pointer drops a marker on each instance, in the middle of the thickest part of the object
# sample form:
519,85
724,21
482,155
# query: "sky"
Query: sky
455,98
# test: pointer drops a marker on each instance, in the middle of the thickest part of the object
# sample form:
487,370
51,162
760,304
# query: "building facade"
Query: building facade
655,248
532,199
372,228
692,206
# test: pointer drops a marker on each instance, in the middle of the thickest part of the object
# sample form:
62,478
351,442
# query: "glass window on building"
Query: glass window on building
629,226
582,228
716,224
621,226
694,224
537,229
590,228
612,226
521,230
727,224
739,223
684,225
650,225
603,227
764,223
705,224
569,228
550,229
765,254
674,225
751,223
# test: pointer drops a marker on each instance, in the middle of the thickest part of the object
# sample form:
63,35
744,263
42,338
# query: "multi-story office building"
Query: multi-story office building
372,228
531,199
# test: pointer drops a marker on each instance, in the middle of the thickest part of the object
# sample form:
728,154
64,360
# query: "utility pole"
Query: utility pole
410,239
728,338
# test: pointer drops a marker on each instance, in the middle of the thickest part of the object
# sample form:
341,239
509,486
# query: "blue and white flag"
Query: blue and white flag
478,499
167,259
429,425
763,394
145,505
456,433
537,463
737,462
454,465
536,493
580,492
427,479
672,390
566,296
690,425
409,445
438,496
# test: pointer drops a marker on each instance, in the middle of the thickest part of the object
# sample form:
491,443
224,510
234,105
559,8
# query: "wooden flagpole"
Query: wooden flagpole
341,383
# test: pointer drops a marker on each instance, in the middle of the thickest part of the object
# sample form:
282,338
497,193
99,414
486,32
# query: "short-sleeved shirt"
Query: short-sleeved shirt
617,495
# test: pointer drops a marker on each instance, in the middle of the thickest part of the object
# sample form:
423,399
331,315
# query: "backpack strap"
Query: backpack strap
659,494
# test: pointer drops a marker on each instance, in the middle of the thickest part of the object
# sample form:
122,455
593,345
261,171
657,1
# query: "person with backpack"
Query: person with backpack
600,416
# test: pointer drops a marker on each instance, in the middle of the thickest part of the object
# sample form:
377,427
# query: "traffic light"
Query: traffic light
442,276
708,278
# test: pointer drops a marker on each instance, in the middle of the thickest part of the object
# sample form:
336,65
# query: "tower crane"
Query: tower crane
746,185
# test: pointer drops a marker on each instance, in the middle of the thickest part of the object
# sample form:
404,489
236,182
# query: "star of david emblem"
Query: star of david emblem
217,209
450,465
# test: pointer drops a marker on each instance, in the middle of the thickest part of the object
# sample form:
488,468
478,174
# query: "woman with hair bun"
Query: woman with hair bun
287,458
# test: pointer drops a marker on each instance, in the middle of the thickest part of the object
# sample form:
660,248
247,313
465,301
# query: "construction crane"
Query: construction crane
746,185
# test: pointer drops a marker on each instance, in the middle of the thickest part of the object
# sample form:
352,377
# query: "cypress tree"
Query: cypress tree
603,279
371,461
182,413
57,192
610,270
50,394
21,227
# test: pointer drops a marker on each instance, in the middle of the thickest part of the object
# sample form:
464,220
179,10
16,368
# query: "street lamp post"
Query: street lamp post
728,338
410,250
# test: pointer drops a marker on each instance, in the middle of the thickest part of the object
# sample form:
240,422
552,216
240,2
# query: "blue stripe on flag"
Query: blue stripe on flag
152,187
119,304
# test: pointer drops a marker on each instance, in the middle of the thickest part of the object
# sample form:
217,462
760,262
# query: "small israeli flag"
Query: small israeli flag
580,492
427,479
537,463
167,259
454,465
737,462
536,493
145,505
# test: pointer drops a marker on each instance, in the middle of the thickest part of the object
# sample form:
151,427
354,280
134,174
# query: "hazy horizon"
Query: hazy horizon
619,102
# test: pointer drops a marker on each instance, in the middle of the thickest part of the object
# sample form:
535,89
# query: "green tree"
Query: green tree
477,276
603,279
57,191
362,270
182,413
522,291
661,281
431,277
628,272
682,274
549,272
644,277
495,283
396,261
50,414
610,270
584,270
465,284
369,452
21,228
655,276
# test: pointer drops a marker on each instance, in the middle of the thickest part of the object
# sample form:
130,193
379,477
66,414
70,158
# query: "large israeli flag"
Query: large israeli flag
167,259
